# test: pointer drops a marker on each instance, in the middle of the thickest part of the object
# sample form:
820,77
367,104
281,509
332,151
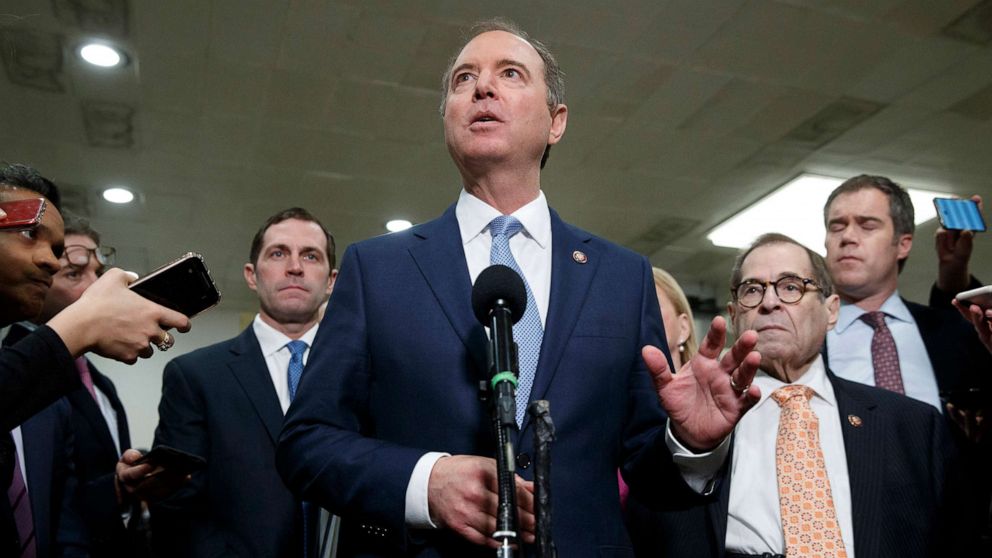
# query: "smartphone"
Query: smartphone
22,214
982,296
959,215
184,285
173,460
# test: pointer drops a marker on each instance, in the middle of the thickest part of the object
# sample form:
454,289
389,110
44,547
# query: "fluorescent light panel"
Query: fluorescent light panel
397,225
796,209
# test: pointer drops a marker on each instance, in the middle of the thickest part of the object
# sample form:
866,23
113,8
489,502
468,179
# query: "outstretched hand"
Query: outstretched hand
710,394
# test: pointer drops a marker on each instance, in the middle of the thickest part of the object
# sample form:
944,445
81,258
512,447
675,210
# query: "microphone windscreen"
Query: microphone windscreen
494,283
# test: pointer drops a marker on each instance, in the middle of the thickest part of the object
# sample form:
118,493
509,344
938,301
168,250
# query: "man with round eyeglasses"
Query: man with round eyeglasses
820,466
789,289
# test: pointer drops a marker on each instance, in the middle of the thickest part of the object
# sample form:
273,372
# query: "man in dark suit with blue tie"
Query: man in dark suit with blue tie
226,403
388,431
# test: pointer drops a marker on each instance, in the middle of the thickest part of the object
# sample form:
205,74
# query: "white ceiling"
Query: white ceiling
681,113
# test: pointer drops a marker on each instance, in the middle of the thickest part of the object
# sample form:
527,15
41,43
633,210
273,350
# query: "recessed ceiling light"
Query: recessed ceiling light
118,195
796,210
397,225
101,55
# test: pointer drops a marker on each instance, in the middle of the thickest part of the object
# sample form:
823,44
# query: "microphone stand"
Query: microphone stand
544,434
504,410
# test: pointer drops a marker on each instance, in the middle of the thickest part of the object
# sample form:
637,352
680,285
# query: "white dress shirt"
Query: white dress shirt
109,416
754,522
849,350
276,354
531,248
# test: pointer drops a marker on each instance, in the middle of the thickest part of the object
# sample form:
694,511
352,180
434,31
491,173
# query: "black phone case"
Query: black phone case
183,285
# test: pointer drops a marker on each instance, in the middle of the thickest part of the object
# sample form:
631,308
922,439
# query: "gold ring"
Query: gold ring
738,389
166,343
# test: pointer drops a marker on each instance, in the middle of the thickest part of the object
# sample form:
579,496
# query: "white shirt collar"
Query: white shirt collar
271,340
474,216
893,307
815,378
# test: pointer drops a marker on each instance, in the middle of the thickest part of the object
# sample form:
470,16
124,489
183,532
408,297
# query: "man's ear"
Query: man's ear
904,245
832,305
559,118
249,273
330,281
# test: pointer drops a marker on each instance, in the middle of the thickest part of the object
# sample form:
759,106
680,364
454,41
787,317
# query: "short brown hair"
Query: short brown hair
286,214
900,205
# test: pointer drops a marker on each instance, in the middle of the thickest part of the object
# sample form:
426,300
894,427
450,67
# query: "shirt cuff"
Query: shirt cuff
418,515
698,469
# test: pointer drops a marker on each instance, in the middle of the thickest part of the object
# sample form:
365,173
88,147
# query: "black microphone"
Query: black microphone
499,300
498,285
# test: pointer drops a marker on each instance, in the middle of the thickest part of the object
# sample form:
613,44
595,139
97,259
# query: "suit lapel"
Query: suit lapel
39,451
722,505
104,384
83,404
865,463
570,283
250,371
440,257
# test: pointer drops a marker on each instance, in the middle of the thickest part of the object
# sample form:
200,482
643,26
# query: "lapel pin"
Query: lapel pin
855,420
580,257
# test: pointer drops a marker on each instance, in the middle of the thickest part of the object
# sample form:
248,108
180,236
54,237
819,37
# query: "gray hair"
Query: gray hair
820,273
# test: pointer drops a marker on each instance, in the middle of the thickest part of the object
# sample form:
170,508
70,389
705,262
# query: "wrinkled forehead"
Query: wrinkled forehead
499,46
771,262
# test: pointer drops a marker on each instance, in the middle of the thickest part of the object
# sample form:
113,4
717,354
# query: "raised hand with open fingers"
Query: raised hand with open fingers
710,393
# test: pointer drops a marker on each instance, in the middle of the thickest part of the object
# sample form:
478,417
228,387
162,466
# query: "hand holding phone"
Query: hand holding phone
959,215
173,460
183,285
22,214
982,296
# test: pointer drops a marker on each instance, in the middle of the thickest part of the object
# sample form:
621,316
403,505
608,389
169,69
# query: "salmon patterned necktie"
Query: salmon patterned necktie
809,521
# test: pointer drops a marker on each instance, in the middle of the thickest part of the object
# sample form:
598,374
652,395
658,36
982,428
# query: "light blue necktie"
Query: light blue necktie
294,373
528,332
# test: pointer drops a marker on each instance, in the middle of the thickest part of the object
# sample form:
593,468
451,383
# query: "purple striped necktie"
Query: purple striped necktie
20,504
85,376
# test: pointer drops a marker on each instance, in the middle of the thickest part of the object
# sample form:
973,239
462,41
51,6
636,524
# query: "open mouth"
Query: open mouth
485,117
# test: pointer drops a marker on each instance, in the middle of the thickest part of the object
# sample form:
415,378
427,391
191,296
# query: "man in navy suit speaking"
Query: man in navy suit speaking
388,431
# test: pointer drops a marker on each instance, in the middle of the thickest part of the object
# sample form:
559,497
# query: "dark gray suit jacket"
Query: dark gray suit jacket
219,403
899,462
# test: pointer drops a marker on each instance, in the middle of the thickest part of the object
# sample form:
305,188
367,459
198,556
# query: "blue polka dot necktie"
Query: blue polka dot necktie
294,373
528,332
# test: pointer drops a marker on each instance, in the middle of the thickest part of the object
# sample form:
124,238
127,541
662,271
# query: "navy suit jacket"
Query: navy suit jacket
52,483
219,403
95,459
899,461
395,369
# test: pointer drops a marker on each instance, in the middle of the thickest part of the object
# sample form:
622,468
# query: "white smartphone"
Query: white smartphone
982,296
